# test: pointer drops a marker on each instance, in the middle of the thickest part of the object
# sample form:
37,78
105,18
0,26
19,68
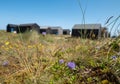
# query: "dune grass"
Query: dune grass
30,58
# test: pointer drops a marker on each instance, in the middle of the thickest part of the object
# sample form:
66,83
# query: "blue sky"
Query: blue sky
64,13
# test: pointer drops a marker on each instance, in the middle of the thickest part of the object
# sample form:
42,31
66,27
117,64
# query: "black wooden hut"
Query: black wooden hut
12,28
29,27
86,30
57,30
23,27
66,31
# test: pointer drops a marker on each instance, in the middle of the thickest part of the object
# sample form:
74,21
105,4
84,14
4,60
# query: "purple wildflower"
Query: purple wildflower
114,57
71,65
61,61
5,63
44,33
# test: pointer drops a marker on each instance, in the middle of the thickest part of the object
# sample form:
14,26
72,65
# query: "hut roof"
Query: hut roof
56,27
12,25
51,27
66,30
87,26
44,27
28,24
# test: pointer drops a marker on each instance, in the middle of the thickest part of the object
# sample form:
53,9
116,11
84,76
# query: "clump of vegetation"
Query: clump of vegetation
31,58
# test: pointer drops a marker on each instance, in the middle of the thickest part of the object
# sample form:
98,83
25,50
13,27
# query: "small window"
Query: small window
12,29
